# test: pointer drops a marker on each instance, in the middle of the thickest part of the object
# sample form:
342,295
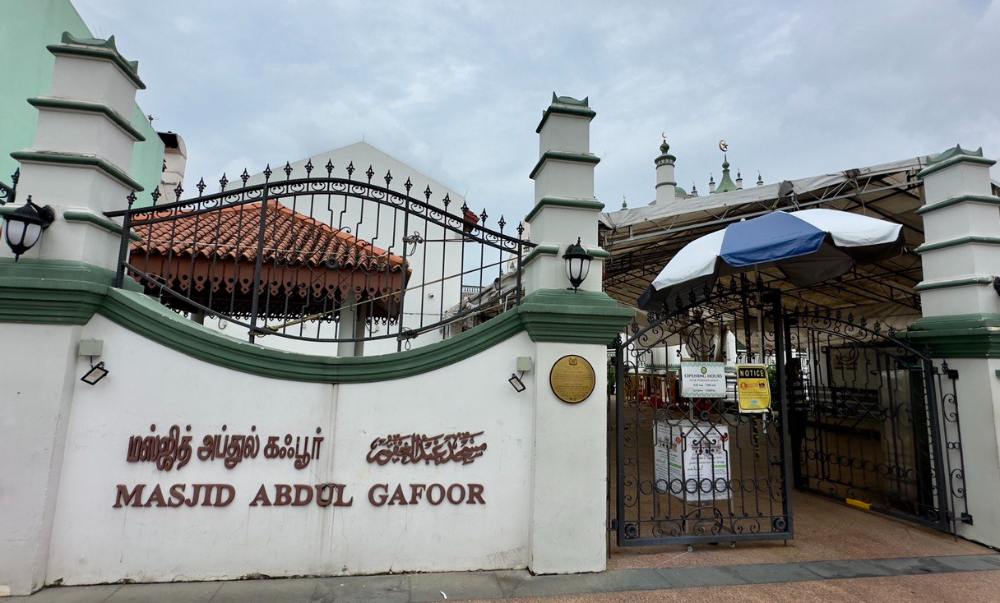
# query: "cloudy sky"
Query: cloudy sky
456,88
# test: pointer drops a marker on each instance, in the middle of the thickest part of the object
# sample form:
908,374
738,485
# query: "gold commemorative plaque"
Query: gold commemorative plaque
572,379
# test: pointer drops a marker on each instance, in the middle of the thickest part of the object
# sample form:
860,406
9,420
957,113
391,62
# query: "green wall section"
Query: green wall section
26,28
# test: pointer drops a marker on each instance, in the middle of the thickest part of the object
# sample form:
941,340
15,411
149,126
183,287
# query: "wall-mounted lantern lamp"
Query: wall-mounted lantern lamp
25,225
577,264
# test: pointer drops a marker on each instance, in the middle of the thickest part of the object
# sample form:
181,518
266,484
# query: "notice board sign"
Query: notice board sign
691,460
703,380
753,390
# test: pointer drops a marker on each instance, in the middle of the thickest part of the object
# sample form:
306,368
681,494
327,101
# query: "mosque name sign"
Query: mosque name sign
173,450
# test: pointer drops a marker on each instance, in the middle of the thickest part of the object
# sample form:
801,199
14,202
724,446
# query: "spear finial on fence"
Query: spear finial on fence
200,186
267,172
178,190
288,170
244,176
223,182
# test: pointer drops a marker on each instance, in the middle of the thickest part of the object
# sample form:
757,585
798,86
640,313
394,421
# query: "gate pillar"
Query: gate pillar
77,164
568,526
80,158
961,318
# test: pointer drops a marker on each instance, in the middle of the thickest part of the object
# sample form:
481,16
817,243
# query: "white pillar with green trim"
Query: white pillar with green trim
79,160
78,164
961,315
568,523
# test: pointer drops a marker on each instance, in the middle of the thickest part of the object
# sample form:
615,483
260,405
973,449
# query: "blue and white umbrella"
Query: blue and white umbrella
807,246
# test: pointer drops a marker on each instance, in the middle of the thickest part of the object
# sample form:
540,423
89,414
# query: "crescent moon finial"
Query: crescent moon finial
723,145
663,134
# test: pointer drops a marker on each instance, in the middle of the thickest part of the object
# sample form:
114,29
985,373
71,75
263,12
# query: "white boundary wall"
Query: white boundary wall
94,542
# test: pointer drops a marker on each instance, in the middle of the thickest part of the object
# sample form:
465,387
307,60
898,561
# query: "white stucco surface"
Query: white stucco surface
94,542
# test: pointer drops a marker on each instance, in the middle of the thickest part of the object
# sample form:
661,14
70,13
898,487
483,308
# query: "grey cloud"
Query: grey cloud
456,88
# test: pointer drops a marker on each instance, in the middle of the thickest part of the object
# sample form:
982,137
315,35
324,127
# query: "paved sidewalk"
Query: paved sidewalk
512,584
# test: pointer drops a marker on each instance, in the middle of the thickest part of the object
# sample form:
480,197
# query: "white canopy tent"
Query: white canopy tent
642,240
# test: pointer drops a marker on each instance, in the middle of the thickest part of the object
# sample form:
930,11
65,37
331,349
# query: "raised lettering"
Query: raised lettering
176,495
195,493
340,497
303,495
261,498
475,495
458,498
430,494
156,496
416,493
381,498
282,495
125,498
398,498
227,489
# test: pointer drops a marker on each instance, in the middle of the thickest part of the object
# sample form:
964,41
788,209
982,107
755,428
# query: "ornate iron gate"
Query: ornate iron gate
858,414
873,420
693,470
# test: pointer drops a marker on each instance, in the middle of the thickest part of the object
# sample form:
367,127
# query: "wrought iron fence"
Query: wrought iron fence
324,258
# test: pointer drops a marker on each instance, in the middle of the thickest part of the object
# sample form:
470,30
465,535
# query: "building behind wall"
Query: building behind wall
440,275
26,28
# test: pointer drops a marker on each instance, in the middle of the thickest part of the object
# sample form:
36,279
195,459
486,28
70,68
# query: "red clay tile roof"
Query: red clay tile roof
307,267
289,237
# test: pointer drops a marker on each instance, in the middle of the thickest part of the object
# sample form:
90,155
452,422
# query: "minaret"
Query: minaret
665,182
711,184
760,181
694,189
739,180
726,184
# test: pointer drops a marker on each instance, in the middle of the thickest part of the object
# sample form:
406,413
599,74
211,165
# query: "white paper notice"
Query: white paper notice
703,379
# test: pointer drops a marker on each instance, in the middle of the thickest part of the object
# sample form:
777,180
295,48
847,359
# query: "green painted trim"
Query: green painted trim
955,160
107,224
563,156
75,49
539,251
59,158
591,204
51,291
595,252
565,105
959,241
962,282
58,292
959,336
63,104
573,316
960,199
147,317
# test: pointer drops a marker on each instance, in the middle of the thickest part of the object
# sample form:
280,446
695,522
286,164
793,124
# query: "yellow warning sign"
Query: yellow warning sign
752,387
